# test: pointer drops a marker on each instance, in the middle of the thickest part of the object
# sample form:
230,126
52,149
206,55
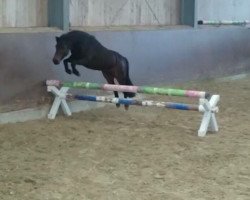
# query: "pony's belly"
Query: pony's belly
97,67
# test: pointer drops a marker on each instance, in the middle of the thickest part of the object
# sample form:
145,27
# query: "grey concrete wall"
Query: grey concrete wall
160,56
25,63
223,9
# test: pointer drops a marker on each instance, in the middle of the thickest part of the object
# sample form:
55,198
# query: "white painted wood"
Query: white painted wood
214,100
23,13
124,12
65,107
209,122
204,124
213,125
54,108
60,100
235,10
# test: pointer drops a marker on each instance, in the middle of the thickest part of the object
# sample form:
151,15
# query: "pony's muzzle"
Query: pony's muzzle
56,61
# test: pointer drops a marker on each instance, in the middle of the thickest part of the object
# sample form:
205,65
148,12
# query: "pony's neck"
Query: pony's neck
67,40
70,44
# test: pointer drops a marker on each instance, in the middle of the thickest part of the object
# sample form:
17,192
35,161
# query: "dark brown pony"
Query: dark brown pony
87,51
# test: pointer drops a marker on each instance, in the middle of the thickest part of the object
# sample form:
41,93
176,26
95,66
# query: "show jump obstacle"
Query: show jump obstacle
207,103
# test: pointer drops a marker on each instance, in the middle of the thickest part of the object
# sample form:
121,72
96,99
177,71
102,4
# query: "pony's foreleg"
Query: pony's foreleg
74,70
66,66
73,66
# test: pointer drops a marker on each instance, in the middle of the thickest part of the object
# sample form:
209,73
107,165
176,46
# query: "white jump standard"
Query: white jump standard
206,106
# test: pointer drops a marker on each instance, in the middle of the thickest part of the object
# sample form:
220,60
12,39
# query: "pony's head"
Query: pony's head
62,50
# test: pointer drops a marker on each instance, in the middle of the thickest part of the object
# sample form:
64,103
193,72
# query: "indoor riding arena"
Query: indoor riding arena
179,129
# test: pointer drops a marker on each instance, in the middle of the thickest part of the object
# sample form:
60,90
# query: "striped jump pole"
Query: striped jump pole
207,106
126,88
223,22
122,101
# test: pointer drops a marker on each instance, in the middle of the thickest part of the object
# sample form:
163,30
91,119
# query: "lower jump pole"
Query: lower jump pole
170,105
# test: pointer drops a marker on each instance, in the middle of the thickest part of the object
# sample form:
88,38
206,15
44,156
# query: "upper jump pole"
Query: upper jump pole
134,89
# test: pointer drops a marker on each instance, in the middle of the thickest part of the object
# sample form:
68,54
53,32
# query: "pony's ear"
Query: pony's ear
57,39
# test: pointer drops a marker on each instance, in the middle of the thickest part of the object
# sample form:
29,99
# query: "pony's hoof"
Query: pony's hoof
126,107
118,105
68,71
76,73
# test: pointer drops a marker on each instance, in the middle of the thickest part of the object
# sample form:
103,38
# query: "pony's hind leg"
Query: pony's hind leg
111,80
122,76
122,81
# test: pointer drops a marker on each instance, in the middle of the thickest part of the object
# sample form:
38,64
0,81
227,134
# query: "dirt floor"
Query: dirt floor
143,153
